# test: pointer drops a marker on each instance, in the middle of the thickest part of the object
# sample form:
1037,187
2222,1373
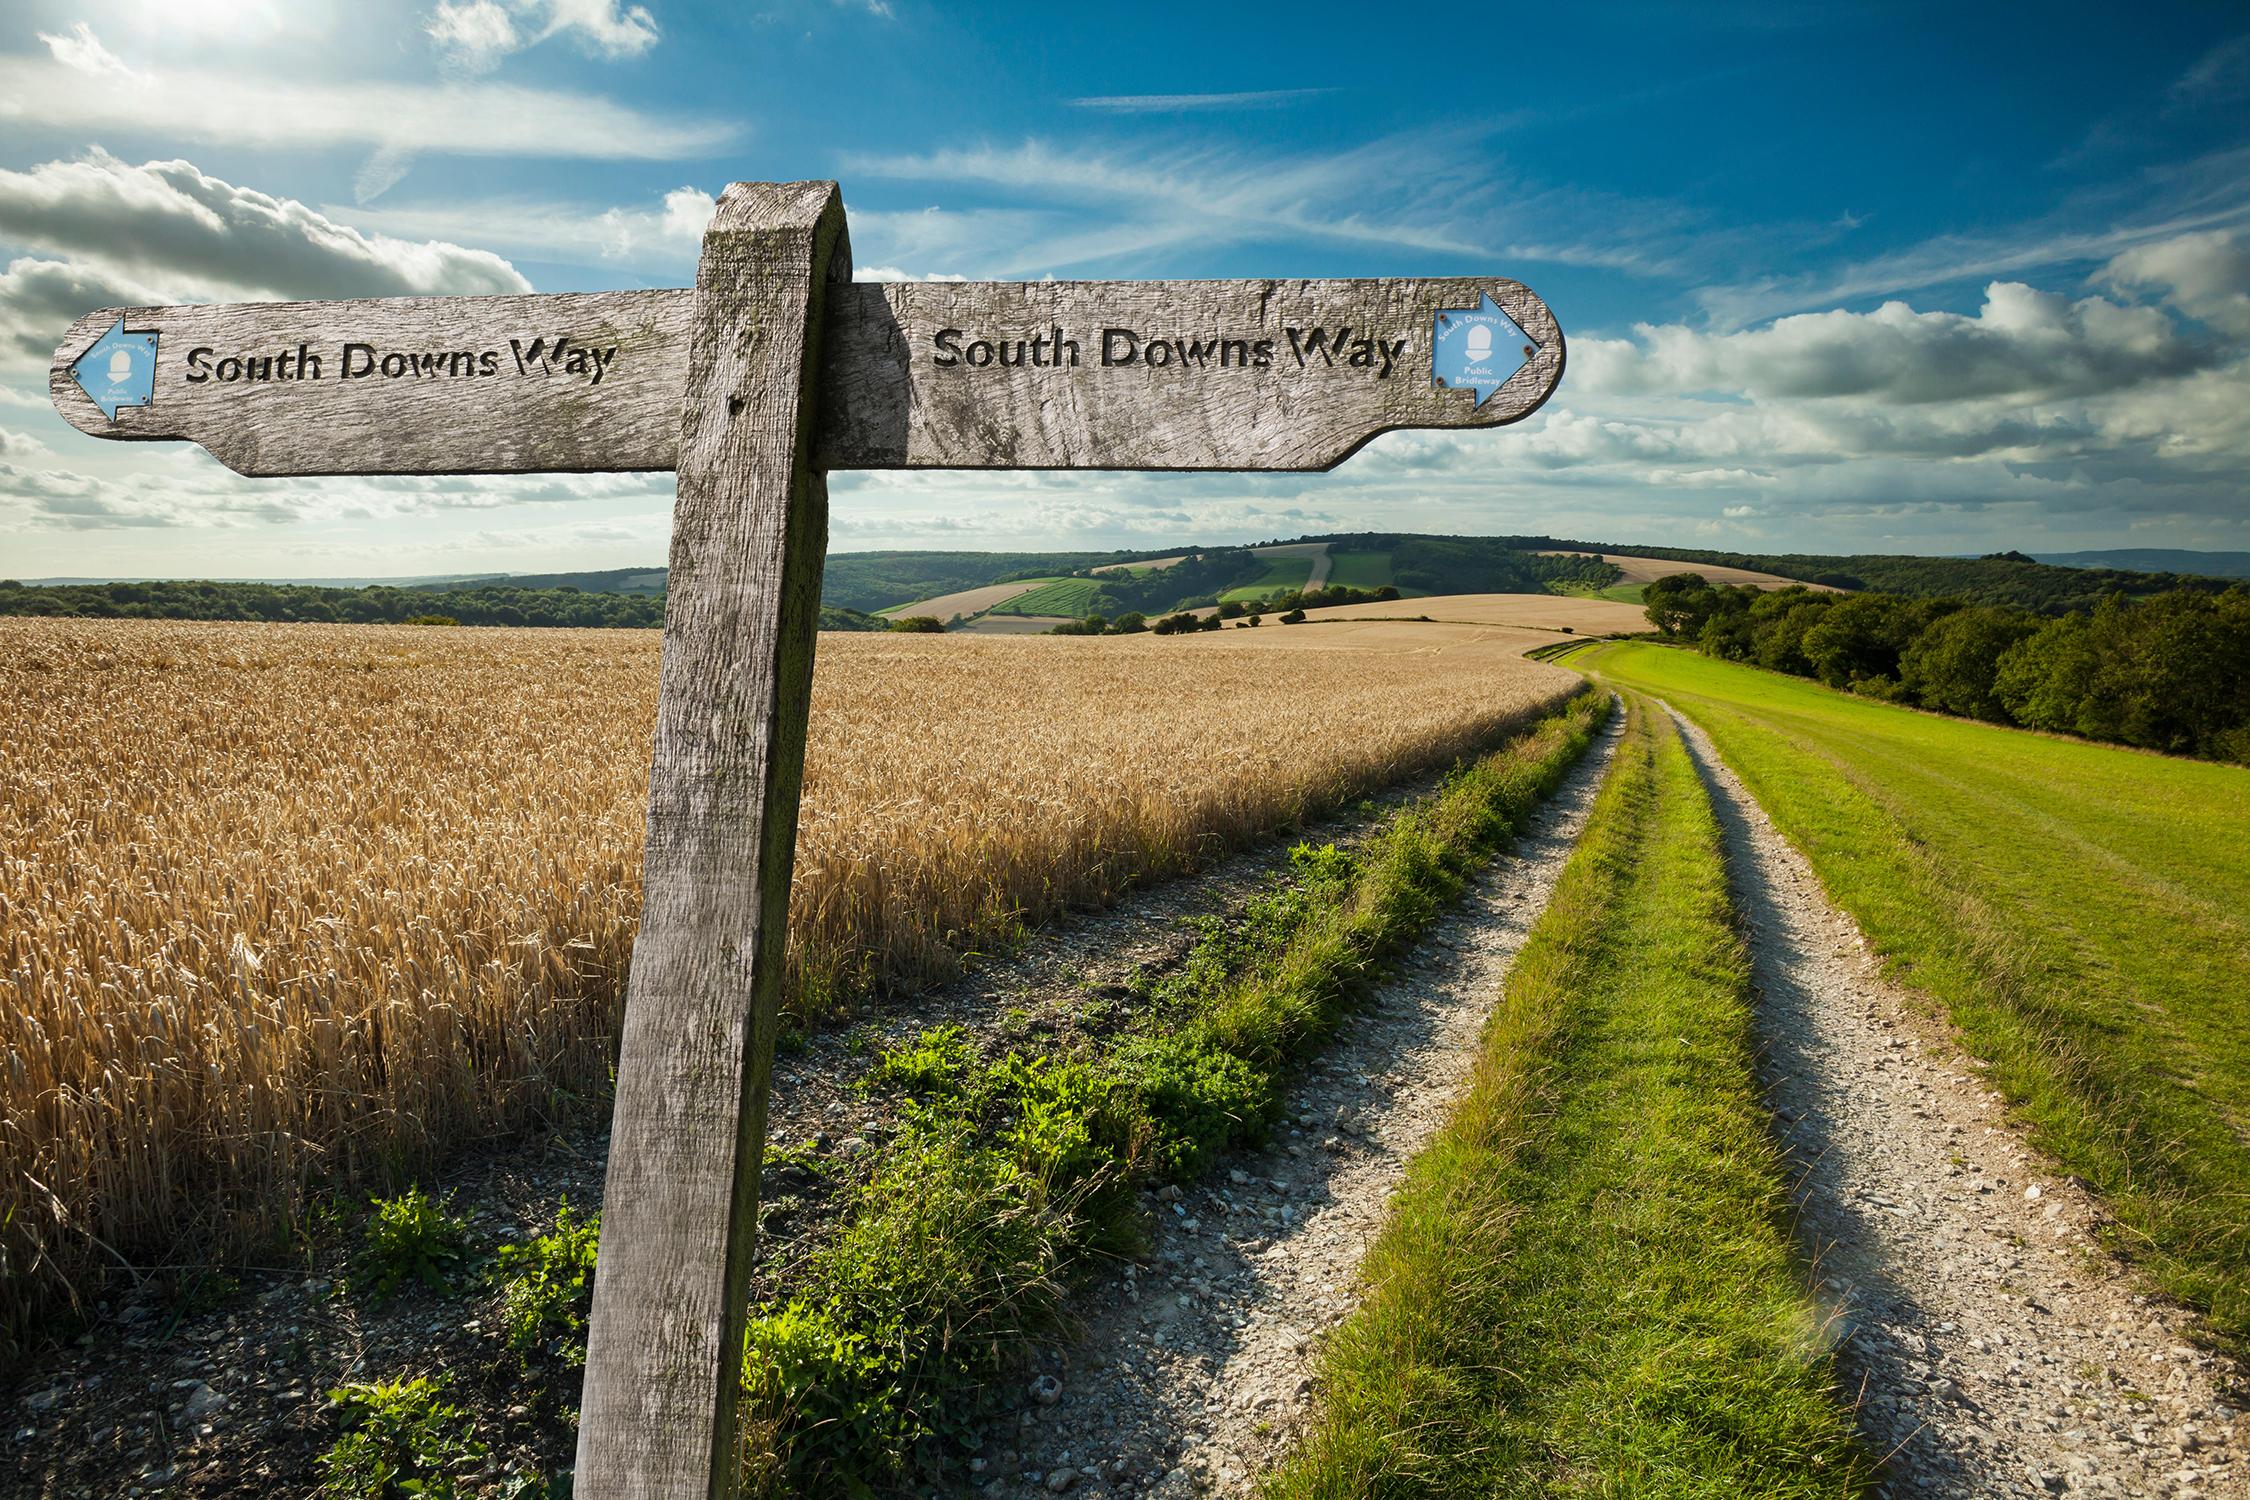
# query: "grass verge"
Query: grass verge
1009,1173
2081,912
1586,1283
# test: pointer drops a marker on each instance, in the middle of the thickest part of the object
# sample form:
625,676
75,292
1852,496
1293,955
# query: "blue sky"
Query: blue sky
1836,278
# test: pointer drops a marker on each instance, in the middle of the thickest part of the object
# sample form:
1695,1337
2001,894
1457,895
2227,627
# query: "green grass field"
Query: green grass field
1280,573
1360,570
1056,596
2080,912
1622,593
1587,1285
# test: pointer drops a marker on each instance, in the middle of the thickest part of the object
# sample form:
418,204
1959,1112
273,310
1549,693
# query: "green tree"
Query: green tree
1954,664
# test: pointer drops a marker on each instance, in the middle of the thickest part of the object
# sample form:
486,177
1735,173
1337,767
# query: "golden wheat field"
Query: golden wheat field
286,904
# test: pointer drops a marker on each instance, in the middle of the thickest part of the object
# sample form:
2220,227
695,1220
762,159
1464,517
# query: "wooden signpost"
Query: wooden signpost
775,368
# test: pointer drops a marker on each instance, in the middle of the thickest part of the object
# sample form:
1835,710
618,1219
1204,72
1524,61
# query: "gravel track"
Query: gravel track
1195,1368
1997,1348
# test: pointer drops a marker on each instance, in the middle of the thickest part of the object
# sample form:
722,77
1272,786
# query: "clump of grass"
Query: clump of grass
1586,1283
950,1262
412,1237
400,1439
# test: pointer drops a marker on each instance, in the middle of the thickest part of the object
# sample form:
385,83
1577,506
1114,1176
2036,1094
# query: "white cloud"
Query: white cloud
1150,201
165,231
1139,104
41,298
191,492
2205,275
2222,73
477,34
81,50
2021,343
162,232
893,273
663,239
295,112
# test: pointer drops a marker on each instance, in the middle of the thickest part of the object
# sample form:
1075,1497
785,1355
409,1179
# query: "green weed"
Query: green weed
399,1439
410,1238
547,1287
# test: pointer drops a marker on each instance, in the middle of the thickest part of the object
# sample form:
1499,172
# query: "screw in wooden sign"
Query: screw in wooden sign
775,368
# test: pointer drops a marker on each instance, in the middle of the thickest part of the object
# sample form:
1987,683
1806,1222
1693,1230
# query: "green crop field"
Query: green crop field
1280,573
1058,596
1360,570
2080,912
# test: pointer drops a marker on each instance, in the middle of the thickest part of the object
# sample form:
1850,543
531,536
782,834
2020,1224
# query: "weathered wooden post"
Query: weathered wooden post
772,370
749,532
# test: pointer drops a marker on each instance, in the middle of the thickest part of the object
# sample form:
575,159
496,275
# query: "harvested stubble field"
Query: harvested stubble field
285,905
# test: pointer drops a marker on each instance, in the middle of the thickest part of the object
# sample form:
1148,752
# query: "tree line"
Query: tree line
379,604
2168,672
1996,578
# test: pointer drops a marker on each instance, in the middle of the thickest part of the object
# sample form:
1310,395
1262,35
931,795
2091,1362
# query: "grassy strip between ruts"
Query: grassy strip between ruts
1586,1284
1008,1174
2081,912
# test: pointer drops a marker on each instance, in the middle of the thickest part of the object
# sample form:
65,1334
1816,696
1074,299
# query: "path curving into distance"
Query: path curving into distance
1996,1348
1196,1366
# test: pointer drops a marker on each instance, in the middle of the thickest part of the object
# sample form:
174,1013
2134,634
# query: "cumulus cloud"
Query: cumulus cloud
2022,342
166,231
2206,276
41,298
477,34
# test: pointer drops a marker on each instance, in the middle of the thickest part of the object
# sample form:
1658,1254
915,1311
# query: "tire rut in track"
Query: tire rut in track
1997,1349
1196,1366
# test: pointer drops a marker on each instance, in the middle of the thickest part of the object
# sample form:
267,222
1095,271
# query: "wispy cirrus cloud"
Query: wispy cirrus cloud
295,112
2219,74
1148,104
477,34
81,51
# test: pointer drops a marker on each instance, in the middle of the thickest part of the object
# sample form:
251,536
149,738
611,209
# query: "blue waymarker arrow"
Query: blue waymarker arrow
118,371
1477,348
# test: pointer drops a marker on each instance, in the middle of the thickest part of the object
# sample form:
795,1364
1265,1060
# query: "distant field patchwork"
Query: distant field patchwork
1360,570
1072,597
967,602
1280,574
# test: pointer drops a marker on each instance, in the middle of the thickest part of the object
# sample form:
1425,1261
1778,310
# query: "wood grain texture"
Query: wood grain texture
680,1208
503,423
886,403
884,400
